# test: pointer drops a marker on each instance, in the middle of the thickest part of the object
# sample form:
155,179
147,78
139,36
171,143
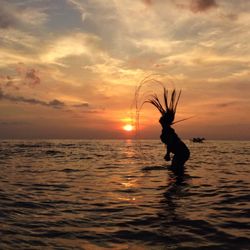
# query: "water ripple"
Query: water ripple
66,194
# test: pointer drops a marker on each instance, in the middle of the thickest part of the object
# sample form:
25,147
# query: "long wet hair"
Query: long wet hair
169,109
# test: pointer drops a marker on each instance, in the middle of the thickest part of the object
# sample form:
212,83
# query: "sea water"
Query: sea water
89,194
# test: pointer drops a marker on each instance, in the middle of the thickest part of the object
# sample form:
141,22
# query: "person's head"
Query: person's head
167,118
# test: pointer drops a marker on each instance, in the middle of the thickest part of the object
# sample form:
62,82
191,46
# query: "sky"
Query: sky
69,68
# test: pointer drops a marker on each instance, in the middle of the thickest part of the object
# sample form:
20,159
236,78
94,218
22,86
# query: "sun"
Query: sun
128,127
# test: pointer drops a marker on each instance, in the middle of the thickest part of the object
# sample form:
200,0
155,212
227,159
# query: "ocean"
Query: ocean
120,194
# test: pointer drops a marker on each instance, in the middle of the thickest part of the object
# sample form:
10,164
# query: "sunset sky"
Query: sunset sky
69,68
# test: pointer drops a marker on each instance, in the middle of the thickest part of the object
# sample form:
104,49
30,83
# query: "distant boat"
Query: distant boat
198,139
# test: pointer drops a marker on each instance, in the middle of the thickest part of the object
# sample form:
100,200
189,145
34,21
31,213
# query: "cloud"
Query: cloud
12,123
20,99
56,104
17,99
12,16
7,19
24,75
81,105
79,6
148,2
202,5
8,82
226,104
198,5
31,77
230,16
76,44
33,16
14,38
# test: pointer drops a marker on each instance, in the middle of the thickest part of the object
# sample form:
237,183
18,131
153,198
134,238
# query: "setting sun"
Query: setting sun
128,127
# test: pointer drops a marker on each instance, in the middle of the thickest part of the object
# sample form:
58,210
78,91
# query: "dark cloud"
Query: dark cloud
81,105
148,2
31,77
16,15
56,104
7,19
12,123
8,82
22,75
17,99
197,5
202,5
230,16
226,104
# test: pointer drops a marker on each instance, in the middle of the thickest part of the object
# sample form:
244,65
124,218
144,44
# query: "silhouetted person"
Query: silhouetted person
174,144
168,136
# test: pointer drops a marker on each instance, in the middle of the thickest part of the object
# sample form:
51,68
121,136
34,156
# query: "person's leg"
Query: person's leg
177,165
